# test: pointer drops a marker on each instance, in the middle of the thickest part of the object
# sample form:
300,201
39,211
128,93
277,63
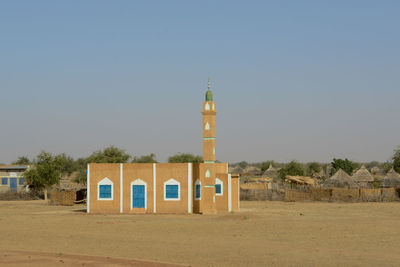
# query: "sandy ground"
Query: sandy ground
263,233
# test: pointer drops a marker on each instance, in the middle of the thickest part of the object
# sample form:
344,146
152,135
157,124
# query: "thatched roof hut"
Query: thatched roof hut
341,179
392,179
251,170
271,172
302,180
363,175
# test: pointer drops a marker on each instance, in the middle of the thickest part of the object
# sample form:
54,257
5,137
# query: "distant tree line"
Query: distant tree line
47,169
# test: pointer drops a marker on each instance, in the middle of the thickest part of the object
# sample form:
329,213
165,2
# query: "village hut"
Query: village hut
363,177
392,179
271,172
251,170
341,179
301,180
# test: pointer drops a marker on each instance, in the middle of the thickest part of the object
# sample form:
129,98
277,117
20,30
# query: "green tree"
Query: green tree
110,154
46,171
292,168
185,157
23,160
68,164
344,164
396,160
151,158
313,167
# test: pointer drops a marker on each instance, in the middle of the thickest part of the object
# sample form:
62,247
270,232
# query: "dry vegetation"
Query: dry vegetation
263,233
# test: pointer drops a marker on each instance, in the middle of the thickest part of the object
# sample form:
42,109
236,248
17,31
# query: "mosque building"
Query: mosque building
205,188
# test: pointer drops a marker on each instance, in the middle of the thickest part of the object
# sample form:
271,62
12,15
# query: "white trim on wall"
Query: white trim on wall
139,182
88,189
198,182
208,174
154,188
105,181
218,181
172,182
238,191
229,192
121,186
190,186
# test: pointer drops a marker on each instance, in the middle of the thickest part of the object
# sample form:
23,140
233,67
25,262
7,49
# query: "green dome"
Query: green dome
209,96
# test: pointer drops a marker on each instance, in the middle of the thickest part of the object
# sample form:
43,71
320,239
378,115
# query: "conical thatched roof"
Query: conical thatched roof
341,179
363,175
392,179
271,172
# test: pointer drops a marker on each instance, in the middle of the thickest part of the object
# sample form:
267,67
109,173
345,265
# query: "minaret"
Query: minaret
209,115
208,169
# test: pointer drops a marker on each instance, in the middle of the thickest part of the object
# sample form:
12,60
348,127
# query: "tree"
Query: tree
313,167
292,168
23,160
110,154
145,159
265,165
344,164
46,171
185,157
396,160
68,164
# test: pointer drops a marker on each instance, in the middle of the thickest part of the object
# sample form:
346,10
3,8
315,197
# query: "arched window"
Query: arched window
207,126
219,187
213,107
139,194
172,190
208,174
207,107
197,195
105,189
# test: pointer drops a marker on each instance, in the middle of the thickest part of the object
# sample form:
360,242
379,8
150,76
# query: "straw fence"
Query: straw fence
322,194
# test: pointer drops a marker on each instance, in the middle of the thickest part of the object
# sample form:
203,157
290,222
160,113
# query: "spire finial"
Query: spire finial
208,83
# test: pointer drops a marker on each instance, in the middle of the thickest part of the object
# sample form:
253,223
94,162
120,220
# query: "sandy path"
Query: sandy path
263,233
30,258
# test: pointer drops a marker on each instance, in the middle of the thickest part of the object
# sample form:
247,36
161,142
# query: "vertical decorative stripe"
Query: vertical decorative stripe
121,190
190,195
88,189
238,186
229,193
154,188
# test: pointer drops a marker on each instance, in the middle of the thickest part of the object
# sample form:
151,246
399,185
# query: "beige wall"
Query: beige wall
235,192
99,171
209,203
132,172
178,172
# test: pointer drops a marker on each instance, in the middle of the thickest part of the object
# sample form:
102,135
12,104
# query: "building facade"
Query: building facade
205,188
12,178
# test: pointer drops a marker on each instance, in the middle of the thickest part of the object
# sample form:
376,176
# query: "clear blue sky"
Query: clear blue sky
305,80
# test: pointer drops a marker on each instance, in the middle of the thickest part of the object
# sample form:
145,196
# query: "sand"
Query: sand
263,233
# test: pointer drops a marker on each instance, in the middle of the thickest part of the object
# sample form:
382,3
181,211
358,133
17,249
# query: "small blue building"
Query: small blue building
12,178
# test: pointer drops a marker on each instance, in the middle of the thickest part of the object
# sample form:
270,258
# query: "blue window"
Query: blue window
105,191
172,191
218,189
4,181
198,191
21,181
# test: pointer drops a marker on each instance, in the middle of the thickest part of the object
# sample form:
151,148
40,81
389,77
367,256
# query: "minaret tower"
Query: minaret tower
209,115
